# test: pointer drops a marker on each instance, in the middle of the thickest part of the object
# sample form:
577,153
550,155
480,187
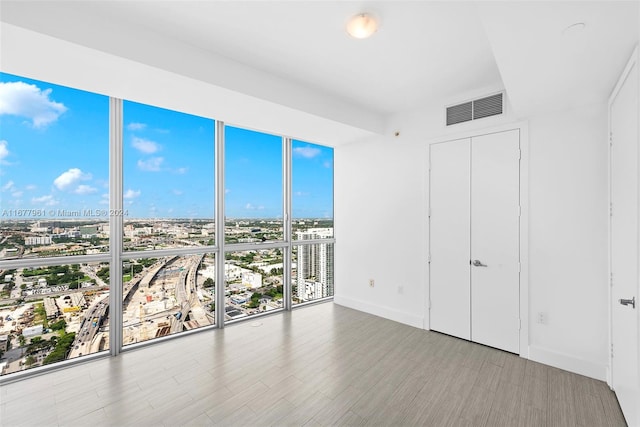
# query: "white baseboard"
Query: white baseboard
568,363
377,310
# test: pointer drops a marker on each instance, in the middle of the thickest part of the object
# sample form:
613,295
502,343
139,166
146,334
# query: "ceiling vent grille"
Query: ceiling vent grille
473,110
460,113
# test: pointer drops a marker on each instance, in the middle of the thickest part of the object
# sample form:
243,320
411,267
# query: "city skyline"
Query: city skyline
54,143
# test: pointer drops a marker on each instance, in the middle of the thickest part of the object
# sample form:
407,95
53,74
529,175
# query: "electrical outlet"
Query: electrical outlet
372,283
542,318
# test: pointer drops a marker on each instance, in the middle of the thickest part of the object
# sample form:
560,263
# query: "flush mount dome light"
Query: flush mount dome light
362,26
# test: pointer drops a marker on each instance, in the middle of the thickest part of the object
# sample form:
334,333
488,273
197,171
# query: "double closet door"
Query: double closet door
474,223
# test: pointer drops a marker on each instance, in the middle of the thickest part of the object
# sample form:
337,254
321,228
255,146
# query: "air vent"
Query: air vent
473,110
489,106
459,113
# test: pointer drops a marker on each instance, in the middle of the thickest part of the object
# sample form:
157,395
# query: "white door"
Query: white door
624,246
495,244
474,216
450,238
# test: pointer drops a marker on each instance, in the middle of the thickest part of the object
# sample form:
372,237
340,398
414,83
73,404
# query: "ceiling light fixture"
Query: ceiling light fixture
362,25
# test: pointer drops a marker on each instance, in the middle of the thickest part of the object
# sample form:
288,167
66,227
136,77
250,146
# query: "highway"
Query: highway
94,318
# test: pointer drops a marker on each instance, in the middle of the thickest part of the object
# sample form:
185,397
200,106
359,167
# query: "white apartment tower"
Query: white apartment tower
314,265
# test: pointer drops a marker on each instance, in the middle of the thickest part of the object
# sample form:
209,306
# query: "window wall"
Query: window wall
312,224
124,223
54,223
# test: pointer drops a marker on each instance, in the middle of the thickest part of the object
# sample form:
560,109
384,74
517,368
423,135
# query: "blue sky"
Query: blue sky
54,150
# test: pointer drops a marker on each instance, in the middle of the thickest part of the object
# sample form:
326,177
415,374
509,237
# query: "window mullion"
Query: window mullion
286,184
115,226
219,220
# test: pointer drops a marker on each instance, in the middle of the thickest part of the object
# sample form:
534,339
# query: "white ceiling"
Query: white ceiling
425,52
422,49
545,68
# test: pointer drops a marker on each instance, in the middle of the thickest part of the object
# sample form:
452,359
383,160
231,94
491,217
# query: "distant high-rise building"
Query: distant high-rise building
37,240
314,265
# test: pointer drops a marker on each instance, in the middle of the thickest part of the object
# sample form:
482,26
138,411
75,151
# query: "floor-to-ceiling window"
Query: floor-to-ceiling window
54,223
312,224
254,223
168,201
248,232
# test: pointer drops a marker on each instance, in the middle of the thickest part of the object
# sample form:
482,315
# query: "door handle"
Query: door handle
631,302
478,263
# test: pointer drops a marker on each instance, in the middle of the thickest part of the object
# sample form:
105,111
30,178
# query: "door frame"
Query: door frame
523,127
633,60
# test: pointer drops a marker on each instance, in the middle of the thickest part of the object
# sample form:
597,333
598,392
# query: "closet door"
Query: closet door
474,273
495,253
450,238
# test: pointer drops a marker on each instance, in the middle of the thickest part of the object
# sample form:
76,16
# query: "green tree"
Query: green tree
22,340
103,273
63,345
59,325
30,360
255,300
147,262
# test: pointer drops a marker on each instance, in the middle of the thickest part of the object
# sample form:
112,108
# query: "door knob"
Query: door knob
631,302
478,263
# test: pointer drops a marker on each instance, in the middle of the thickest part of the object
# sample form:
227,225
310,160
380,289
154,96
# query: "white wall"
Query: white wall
568,240
380,228
381,202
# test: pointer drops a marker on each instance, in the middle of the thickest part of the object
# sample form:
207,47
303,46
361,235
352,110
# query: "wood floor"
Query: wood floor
321,365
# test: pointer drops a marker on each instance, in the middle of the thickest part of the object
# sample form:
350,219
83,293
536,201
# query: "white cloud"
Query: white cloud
251,207
131,194
151,165
300,194
136,126
69,178
328,164
8,186
306,151
177,192
145,146
16,194
30,187
4,151
26,100
181,171
227,191
46,200
104,199
85,189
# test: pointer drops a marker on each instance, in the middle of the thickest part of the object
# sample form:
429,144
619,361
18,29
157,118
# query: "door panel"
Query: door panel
495,194
450,238
624,246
